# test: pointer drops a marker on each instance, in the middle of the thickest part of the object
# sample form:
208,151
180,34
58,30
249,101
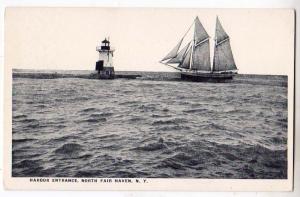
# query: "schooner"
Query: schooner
193,59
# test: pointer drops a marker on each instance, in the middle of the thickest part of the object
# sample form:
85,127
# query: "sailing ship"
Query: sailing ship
193,59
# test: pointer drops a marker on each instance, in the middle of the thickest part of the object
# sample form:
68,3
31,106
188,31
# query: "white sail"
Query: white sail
173,52
179,57
186,61
223,57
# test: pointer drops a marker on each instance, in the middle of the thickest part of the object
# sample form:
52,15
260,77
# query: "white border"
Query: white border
176,3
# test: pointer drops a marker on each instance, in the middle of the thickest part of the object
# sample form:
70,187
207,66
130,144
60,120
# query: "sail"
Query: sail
174,51
201,57
180,55
186,60
200,33
220,33
223,57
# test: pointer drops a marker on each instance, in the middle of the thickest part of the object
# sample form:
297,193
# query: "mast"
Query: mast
223,58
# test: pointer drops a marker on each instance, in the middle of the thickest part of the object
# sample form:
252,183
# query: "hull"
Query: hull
207,77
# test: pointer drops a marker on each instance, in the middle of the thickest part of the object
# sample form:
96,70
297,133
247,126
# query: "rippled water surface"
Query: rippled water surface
150,127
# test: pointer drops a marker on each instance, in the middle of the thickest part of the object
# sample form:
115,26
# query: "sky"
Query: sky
262,40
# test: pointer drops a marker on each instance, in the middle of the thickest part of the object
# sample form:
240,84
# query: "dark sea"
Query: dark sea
156,126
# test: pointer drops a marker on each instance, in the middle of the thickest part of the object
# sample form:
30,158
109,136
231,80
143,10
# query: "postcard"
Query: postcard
149,99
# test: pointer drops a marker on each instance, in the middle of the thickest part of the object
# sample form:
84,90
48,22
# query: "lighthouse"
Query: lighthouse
104,66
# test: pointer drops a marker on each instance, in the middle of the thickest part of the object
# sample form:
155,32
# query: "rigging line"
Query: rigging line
175,67
188,29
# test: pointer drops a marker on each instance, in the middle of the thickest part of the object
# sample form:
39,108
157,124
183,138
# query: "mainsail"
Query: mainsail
223,58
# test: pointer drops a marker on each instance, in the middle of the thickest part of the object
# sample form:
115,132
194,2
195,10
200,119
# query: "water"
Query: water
154,126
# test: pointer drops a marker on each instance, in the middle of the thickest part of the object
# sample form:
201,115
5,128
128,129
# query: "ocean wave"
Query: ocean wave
170,163
129,102
175,128
19,116
91,128
61,139
90,173
23,140
107,136
197,110
161,115
213,126
135,119
89,109
28,164
147,108
153,146
100,115
93,120
29,120
278,140
69,149
169,121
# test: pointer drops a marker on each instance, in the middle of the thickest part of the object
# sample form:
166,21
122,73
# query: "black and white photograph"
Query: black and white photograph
153,93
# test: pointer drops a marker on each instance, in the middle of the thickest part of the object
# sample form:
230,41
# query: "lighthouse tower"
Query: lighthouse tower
104,66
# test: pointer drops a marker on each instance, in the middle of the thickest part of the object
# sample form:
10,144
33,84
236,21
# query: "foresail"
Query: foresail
180,55
223,58
174,51
201,57
186,61
200,33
